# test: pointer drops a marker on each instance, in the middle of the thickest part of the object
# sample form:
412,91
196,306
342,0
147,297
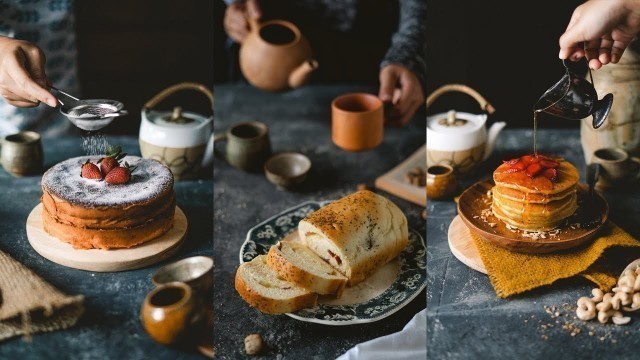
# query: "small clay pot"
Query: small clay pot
287,169
172,315
442,182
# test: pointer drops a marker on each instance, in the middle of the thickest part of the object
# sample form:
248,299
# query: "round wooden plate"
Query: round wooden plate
463,247
592,213
98,260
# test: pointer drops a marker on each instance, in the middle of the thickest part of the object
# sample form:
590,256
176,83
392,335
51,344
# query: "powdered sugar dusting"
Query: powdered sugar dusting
149,180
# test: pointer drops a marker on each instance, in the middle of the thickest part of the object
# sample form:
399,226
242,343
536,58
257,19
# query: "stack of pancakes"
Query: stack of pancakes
535,203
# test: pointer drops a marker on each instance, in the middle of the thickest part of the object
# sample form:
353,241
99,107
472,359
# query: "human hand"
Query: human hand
601,30
23,81
400,88
235,18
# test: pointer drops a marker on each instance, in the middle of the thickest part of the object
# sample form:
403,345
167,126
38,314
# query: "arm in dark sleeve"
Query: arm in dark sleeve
408,44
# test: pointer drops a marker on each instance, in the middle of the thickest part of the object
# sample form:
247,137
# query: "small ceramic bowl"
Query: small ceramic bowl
196,271
287,169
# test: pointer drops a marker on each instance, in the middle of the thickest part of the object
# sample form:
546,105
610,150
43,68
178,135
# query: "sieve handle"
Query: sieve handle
179,87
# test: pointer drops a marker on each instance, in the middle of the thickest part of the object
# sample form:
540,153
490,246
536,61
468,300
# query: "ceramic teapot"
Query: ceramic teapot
181,140
460,139
275,56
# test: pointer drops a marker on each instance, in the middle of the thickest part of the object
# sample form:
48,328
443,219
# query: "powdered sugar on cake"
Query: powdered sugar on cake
149,180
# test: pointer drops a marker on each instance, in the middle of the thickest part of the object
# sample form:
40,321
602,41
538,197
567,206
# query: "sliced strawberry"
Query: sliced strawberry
534,169
511,162
551,174
549,163
519,166
90,171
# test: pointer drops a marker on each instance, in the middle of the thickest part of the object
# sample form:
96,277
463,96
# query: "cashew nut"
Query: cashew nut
586,309
619,319
624,289
627,280
597,295
606,304
603,316
623,298
636,284
629,272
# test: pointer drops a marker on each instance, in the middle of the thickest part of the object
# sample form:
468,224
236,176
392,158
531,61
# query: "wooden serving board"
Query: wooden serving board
463,247
98,260
393,181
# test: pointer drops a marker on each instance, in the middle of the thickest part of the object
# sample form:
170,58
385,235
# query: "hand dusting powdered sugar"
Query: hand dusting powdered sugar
149,180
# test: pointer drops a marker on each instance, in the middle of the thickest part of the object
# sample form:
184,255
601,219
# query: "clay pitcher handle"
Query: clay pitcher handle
174,89
484,104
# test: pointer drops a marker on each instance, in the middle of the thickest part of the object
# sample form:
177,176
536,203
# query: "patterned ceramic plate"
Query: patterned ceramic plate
410,280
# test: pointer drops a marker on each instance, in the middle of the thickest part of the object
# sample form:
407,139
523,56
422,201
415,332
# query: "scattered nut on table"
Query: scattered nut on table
253,344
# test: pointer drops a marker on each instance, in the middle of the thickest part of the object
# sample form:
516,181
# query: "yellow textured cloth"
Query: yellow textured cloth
513,273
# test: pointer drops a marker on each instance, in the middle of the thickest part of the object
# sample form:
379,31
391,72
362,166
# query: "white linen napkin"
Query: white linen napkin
408,344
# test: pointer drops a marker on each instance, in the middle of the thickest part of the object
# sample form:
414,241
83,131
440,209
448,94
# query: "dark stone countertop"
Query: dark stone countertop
298,120
110,327
465,318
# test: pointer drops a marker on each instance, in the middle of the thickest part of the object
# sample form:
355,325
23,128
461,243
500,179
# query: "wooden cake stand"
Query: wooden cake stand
140,256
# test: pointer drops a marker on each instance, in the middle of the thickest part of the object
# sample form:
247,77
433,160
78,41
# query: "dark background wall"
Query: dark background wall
506,50
131,50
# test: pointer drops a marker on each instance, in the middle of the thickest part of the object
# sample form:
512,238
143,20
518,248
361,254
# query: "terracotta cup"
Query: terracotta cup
357,121
22,153
248,145
172,314
441,182
617,165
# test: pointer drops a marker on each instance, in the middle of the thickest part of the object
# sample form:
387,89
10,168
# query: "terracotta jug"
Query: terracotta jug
622,128
275,56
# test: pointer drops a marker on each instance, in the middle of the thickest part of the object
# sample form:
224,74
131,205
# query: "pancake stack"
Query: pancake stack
535,193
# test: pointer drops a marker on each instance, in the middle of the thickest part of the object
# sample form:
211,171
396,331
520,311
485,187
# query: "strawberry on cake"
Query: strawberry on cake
113,202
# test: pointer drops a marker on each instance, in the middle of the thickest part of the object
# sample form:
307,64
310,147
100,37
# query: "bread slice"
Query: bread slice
295,262
261,287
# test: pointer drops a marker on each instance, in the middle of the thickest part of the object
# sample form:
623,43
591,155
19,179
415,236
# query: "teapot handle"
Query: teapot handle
175,88
484,104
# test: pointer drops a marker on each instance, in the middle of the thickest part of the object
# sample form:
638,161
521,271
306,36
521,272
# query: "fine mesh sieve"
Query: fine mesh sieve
92,114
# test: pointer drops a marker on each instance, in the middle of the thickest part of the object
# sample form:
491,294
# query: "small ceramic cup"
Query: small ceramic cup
617,166
171,314
195,271
248,145
287,169
442,182
357,121
22,153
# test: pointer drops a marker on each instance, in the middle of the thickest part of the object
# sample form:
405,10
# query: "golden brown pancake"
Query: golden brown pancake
535,203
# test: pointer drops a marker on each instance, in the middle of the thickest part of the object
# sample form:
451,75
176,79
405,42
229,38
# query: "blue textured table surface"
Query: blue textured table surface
465,318
110,327
300,121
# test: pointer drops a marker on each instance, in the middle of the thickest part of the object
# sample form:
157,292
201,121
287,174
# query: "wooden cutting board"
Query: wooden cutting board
393,181
98,260
463,247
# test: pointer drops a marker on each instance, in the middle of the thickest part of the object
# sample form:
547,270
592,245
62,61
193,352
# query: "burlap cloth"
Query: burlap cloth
29,305
513,273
